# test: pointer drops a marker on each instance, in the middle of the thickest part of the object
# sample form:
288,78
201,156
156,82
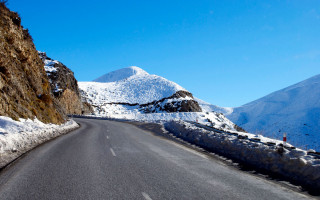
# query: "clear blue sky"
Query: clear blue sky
226,52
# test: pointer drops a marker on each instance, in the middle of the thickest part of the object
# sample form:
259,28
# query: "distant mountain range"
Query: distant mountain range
294,110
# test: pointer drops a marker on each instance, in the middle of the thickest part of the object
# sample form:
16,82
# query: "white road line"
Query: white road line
112,152
146,196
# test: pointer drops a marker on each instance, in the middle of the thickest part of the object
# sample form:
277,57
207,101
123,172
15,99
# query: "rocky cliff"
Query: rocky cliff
64,87
25,91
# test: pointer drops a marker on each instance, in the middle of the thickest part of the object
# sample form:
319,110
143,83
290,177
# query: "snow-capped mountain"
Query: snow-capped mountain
121,74
294,110
132,93
129,85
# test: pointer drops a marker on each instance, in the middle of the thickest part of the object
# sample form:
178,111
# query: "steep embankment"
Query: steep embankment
25,91
26,94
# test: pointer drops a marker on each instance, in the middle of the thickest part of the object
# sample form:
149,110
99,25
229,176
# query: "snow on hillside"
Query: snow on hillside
207,107
121,74
48,63
120,94
211,119
129,85
49,67
294,110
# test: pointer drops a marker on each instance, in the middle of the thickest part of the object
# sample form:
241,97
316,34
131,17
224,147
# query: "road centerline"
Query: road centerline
146,196
114,154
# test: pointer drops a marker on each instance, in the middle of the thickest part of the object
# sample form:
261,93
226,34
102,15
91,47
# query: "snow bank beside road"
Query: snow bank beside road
295,164
18,137
207,119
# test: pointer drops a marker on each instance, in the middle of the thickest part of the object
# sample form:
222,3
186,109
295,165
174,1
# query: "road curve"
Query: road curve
114,160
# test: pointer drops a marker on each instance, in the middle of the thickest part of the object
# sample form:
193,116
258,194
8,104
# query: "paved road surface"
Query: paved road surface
113,160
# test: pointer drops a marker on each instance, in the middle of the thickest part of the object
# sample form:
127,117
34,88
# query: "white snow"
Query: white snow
294,110
218,121
121,74
137,87
207,107
293,163
48,63
17,137
57,88
49,66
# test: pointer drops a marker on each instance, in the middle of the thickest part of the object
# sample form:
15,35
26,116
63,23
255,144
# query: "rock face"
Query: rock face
25,91
173,104
64,87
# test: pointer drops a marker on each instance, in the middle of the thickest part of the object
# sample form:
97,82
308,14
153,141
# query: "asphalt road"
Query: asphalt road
114,160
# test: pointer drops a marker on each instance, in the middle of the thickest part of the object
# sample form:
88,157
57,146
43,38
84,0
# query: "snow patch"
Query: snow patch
18,137
265,154
211,119
49,66
121,74
207,107
137,87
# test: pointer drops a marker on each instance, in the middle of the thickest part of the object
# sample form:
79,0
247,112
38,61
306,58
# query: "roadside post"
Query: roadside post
284,139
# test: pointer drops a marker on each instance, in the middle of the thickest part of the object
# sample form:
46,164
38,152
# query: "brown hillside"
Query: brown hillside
24,87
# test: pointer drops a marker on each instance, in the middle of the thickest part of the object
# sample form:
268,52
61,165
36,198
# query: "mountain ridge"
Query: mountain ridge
294,110
121,74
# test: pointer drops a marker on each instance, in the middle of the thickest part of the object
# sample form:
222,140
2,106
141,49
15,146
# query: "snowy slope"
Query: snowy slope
132,93
294,110
129,85
17,137
121,74
207,107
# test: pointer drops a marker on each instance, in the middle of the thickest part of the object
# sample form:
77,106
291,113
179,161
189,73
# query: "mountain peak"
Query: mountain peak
293,110
121,74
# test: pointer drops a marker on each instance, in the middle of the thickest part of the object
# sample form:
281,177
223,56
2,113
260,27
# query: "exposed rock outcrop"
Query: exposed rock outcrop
181,101
25,91
86,108
64,87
